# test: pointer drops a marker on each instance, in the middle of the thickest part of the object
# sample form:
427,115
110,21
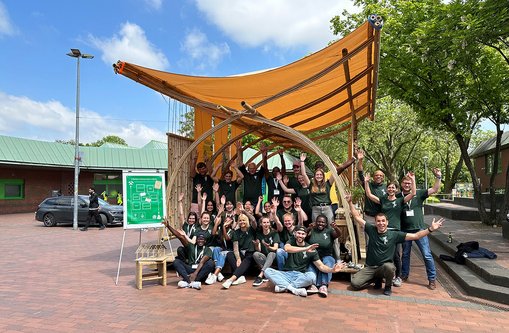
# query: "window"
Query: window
12,189
108,185
490,161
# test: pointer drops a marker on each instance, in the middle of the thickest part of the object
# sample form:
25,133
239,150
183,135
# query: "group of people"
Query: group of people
291,239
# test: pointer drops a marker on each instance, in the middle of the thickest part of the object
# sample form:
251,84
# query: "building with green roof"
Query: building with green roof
32,170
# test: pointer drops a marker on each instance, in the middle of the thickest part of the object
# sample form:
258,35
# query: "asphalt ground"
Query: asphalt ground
61,280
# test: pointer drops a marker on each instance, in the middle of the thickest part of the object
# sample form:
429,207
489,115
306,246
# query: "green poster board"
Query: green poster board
144,199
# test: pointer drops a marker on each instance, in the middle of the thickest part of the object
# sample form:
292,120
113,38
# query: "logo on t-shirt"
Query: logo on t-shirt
385,240
324,236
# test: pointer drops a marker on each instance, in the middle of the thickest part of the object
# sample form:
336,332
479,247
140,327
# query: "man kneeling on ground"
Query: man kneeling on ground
381,247
198,261
295,276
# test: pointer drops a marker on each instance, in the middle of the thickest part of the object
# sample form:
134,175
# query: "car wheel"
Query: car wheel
104,219
49,220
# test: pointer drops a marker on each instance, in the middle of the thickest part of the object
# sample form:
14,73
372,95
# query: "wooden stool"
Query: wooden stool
159,275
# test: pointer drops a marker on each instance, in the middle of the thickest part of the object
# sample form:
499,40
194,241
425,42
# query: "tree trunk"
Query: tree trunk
477,188
449,183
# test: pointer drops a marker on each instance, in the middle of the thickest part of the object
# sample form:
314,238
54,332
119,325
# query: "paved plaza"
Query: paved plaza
60,280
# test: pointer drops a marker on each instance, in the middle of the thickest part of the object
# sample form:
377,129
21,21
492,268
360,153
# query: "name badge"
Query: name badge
409,212
195,266
276,192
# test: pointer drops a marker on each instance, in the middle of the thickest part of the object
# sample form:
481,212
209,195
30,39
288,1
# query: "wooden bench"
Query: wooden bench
159,263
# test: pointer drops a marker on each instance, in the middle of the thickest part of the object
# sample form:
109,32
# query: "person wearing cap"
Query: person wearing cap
198,263
381,249
320,233
295,276
293,181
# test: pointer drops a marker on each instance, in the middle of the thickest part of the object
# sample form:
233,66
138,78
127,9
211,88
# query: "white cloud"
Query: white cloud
285,23
50,121
202,52
154,4
6,26
131,45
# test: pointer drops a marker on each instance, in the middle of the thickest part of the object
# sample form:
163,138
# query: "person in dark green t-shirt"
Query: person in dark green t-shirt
381,248
266,245
295,276
412,220
198,262
392,207
243,248
319,233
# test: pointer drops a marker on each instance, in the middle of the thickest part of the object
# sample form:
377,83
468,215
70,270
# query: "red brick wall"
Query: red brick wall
39,182
480,169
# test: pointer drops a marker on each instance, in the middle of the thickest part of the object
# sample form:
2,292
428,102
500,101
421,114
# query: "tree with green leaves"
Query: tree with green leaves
436,58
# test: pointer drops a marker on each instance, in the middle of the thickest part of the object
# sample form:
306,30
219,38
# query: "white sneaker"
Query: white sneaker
211,279
240,280
300,292
279,289
195,285
397,282
220,277
227,284
183,284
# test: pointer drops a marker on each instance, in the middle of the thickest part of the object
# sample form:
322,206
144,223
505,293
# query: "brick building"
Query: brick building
483,156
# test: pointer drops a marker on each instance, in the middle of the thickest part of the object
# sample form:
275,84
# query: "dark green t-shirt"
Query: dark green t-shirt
245,239
285,235
321,195
392,209
271,238
412,217
323,239
189,229
381,247
301,260
195,253
209,238
371,208
228,190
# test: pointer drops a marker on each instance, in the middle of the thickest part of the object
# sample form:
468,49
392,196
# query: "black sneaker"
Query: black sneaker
257,282
378,284
83,229
102,227
387,291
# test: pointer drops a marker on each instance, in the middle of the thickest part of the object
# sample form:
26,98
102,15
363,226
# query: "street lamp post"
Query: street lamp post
425,158
75,53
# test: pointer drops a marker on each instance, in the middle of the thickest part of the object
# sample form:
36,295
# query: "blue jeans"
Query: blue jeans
423,245
281,256
219,256
296,279
323,279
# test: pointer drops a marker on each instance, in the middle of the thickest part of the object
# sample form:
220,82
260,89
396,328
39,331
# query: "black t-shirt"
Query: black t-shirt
206,184
252,184
228,190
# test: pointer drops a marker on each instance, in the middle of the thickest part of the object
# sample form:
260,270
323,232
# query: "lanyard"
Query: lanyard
190,231
196,256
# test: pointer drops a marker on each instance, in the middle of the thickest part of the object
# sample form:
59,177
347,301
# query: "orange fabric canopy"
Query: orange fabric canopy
323,89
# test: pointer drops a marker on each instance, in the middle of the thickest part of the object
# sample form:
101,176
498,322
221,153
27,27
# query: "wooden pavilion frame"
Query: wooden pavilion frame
334,86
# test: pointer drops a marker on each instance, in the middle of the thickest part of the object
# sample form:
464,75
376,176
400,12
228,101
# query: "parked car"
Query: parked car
54,210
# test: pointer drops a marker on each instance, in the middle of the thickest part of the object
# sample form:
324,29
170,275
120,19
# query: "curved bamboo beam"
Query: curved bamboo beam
289,133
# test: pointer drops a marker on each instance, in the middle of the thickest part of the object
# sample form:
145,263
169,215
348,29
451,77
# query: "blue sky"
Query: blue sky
195,37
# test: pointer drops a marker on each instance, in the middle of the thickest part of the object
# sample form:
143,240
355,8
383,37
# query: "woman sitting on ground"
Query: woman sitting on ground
266,245
223,229
243,248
